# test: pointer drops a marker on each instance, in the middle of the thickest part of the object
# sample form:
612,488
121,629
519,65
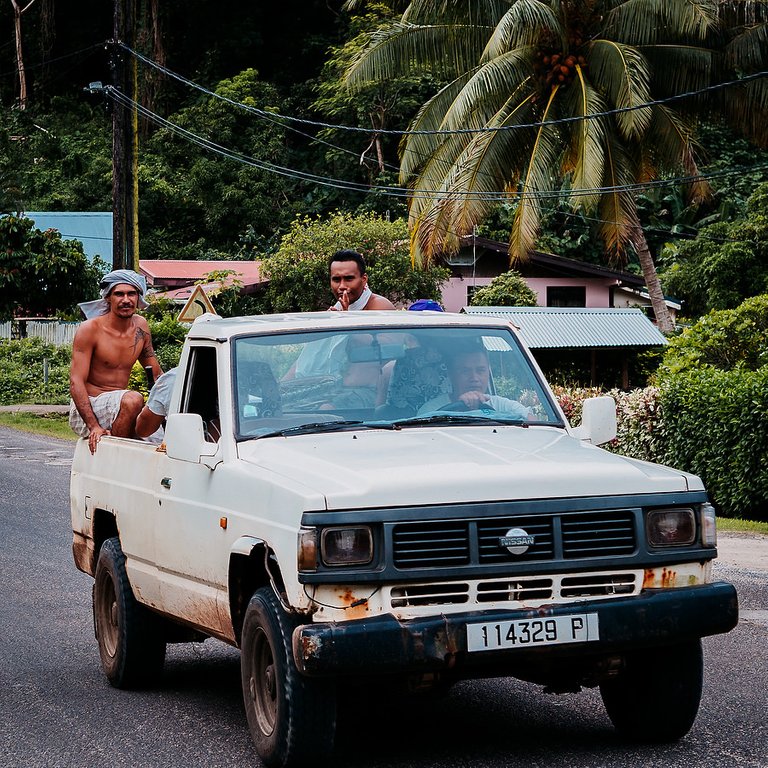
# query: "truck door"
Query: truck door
191,549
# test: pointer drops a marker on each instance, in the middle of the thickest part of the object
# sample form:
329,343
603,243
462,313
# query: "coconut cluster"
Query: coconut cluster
558,68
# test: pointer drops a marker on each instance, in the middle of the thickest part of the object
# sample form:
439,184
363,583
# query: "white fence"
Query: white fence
56,332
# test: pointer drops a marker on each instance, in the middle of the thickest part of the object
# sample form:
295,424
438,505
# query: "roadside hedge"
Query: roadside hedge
716,425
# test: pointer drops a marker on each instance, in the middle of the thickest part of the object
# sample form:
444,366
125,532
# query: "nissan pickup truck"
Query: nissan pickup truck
392,497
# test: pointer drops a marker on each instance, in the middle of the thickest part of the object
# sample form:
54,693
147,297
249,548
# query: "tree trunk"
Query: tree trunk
17,11
652,282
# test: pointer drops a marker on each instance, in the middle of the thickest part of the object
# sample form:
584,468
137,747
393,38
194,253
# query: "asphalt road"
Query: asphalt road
56,708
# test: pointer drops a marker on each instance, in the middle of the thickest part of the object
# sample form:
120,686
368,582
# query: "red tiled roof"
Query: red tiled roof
177,273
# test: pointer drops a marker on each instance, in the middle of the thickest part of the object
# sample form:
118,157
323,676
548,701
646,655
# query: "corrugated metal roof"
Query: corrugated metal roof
571,327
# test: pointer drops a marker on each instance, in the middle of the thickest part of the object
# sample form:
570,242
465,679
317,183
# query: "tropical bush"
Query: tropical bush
22,372
507,290
715,426
298,272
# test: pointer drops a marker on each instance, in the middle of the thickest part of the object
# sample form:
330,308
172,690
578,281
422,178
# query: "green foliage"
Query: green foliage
707,422
61,157
298,272
22,372
715,426
507,290
725,264
41,274
726,339
167,338
191,199
369,157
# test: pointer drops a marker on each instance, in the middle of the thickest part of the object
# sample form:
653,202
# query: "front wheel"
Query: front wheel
292,719
655,697
131,646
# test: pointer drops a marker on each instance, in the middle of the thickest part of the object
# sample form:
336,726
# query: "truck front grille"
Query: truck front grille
568,535
518,591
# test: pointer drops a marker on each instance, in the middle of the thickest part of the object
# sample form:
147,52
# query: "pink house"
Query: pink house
557,281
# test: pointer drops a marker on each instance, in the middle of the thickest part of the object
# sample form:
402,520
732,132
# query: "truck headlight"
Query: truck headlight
673,527
346,546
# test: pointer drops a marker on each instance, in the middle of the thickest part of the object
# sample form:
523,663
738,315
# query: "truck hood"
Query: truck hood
418,466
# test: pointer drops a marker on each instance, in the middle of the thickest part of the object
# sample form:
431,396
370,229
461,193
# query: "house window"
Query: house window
566,296
472,290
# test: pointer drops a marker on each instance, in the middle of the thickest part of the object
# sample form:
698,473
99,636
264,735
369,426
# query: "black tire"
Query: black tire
131,645
292,719
655,698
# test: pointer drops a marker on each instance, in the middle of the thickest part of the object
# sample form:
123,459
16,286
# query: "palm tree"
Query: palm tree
551,97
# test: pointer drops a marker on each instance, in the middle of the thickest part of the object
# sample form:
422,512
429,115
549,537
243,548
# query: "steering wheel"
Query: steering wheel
461,407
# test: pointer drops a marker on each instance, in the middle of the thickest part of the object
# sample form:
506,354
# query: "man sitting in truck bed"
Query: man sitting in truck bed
104,350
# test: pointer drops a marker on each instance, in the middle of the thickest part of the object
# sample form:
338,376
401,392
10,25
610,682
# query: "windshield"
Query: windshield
383,379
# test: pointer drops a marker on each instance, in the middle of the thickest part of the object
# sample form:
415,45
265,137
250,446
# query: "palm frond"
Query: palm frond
584,156
478,12
746,109
617,211
489,88
522,25
415,148
538,178
644,22
397,49
471,187
748,50
621,73
681,68
675,147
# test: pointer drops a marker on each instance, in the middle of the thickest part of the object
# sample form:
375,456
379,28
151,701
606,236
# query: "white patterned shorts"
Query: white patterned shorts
105,406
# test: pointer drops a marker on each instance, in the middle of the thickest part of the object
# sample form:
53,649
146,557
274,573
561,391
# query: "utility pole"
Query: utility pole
125,189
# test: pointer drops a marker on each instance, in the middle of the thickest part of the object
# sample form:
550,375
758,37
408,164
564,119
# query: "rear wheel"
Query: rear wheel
655,698
292,719
131,646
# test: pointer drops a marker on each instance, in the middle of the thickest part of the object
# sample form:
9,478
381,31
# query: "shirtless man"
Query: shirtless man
349,284
104,350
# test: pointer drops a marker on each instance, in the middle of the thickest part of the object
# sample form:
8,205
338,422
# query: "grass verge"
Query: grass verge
735,525
49,424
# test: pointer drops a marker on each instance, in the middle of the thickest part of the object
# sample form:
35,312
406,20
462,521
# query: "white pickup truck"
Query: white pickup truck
394,496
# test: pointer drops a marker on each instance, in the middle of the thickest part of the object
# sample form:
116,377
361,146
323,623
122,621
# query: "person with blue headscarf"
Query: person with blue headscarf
112,338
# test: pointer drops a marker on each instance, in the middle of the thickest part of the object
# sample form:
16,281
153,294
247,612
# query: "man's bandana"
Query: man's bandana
108,282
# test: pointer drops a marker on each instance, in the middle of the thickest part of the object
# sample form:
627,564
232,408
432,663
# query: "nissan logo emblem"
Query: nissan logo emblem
517,541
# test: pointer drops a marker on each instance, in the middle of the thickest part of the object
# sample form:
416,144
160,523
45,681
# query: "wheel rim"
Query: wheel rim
262,684
106,616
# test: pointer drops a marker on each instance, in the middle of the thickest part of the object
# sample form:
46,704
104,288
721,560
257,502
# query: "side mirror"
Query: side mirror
598,420
185,440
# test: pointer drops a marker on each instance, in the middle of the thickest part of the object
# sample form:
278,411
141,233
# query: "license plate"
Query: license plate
528,633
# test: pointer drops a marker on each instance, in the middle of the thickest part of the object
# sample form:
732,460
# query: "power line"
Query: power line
272,116
491,196
45,63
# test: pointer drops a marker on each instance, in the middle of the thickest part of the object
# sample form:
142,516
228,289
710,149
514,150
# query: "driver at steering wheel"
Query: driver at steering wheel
470,373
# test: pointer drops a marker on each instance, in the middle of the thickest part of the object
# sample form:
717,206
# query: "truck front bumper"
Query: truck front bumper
384,644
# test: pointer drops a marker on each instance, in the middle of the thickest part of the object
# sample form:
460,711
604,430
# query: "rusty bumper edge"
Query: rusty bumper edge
384,644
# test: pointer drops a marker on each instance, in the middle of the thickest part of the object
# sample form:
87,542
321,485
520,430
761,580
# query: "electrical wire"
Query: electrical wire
400,192
40,65
443,132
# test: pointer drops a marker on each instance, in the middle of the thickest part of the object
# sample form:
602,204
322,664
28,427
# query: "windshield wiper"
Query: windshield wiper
327,426
460,418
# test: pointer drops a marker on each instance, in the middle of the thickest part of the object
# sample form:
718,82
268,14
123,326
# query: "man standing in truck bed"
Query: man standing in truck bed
104,349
